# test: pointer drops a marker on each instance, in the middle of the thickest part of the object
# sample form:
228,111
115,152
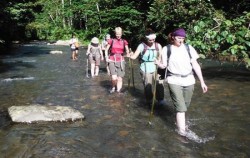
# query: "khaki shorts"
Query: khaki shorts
117,68
95,60
181,96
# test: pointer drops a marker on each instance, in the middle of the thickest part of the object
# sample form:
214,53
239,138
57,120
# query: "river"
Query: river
116,126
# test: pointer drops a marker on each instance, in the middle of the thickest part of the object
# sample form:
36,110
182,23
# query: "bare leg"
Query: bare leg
114,83
92,70
73,55
96,70
180,121
119,84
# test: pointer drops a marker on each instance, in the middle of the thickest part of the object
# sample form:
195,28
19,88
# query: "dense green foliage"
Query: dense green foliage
214,28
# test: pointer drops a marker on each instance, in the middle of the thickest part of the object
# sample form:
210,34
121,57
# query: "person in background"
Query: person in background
104,46
148,51
94,53
180,65
114,54
74,46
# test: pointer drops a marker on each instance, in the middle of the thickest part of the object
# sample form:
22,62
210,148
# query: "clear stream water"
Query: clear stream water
116,126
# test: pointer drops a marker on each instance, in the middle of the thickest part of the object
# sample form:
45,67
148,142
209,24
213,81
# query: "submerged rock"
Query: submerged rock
38,113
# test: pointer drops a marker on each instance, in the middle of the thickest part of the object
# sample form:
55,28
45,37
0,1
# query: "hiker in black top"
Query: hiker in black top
148,52
180,64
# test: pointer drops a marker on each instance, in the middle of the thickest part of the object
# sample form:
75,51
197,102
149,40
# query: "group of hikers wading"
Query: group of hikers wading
174,64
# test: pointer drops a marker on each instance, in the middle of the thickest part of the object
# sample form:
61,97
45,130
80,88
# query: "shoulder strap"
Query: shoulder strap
188,50
145,47
168,51
156,46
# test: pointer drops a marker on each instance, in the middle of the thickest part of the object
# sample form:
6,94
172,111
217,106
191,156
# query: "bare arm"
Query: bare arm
100,50
135,54
88,50
162,63
106,51
198,72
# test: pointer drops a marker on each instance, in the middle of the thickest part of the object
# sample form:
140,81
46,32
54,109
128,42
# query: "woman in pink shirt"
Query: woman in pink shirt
114,55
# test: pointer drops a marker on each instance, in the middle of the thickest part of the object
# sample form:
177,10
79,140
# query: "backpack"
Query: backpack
145,49
76,44
94,51
162,72
112,46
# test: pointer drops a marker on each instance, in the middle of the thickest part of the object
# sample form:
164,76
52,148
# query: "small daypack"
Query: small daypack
77,44
145,49
112,46
162,72
94,51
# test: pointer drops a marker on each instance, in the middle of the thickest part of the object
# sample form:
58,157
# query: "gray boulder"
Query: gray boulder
38,113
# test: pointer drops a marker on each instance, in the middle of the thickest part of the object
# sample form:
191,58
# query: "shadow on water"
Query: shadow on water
117,125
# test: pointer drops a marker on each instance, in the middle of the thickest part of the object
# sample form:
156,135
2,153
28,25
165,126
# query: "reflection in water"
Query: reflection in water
117,125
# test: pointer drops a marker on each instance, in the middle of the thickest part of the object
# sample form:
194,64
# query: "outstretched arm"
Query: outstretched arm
198,72
106,52
135,54
100,50
88,50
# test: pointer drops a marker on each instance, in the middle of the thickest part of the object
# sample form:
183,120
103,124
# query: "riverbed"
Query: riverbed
116,125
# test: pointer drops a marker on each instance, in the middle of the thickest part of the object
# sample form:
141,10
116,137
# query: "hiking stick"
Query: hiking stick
129,77
87,68
154,96
133,78
154,91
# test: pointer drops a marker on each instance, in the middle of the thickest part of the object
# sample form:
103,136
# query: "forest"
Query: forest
215,28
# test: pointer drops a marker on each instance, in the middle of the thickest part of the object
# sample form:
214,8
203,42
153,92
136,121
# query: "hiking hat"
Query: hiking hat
179,32
151,36
95,40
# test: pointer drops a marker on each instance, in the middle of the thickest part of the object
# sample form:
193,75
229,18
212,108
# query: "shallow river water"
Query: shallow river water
116,126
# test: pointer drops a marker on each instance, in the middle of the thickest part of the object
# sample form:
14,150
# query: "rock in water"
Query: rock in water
38,113
55,52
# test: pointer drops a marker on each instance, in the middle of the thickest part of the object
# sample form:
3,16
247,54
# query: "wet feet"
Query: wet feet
112,90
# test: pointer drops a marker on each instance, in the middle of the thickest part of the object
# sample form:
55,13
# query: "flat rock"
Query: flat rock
55,52
40,113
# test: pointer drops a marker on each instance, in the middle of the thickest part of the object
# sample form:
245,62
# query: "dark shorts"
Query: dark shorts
95,60
117,68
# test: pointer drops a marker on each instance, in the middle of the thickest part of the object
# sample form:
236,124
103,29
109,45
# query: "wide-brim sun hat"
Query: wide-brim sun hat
95,40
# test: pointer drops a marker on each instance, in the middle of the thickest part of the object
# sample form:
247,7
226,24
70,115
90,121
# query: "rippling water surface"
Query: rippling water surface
117,125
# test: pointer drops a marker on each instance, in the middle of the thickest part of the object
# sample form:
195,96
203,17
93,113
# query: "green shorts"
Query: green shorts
181,96
117,68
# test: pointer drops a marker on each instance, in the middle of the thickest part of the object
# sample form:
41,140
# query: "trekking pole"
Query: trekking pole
131,68
87,68
154,96
133,78
129,77
154,92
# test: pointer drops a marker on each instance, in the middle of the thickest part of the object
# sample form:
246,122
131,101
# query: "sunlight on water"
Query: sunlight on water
17,79
194,137
18,61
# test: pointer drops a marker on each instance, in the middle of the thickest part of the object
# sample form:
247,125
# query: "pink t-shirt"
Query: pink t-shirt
117,49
